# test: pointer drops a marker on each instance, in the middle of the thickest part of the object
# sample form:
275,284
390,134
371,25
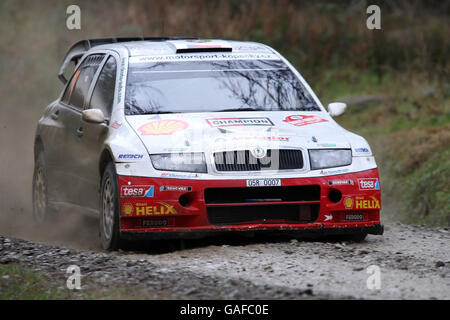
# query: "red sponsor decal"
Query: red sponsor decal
300,120
116,125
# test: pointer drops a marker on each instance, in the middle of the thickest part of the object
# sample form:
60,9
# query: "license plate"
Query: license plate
154,223
354,217
263,182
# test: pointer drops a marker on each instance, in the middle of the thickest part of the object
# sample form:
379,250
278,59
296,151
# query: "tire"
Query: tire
41,210
353,237
109,220
358,237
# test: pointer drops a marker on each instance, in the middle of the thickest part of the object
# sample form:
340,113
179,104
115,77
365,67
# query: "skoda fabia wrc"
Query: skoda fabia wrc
183,137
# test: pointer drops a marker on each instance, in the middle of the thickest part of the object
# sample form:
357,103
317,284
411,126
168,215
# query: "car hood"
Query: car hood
203,132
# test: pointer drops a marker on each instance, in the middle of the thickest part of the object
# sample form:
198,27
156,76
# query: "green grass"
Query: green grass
23,283
428,193
17,282
333,84
409,132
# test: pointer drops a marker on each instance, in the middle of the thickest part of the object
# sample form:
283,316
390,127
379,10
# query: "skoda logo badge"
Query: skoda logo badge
259,152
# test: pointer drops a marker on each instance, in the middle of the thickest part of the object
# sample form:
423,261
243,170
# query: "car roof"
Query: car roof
177,46
160,46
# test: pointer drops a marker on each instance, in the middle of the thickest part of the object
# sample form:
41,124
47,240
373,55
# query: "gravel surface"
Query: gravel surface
414,263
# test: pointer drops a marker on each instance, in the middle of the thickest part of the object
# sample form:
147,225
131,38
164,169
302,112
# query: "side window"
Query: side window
78,88
103,94
69,88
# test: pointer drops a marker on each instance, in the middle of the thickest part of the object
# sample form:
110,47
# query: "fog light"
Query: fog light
184,200
335,196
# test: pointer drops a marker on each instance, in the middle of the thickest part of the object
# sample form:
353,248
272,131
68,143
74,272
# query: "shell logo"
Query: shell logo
127,209
348,202
162,127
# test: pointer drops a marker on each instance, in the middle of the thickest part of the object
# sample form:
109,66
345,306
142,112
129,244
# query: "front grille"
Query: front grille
278,213
256,194
243,160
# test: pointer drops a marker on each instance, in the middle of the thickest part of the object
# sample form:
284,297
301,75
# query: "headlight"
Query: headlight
328,158
187,162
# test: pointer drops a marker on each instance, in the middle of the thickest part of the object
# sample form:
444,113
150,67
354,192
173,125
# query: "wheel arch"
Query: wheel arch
38,146
105,158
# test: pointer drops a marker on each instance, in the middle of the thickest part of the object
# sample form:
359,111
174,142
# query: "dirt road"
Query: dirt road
414,263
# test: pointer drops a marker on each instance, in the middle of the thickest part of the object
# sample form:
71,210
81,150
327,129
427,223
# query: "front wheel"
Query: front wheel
109,210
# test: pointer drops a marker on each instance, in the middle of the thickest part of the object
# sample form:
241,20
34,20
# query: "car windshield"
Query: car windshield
213,86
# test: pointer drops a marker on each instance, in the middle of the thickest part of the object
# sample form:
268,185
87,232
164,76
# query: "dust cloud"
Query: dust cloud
16,171
32,47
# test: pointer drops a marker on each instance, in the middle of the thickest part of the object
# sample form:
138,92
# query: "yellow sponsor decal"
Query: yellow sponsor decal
348,202
162,127
156,210
364,203
127,209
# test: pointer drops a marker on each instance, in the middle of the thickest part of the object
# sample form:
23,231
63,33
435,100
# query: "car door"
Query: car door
101,96
71,108
55,132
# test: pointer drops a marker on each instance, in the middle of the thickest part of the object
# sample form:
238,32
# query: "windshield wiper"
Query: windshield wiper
238,109
159,112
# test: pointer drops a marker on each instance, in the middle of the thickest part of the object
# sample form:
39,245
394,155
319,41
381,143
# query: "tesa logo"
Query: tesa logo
136,191
369,184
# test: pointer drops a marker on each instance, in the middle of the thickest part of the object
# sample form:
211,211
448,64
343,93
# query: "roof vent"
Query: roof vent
198,45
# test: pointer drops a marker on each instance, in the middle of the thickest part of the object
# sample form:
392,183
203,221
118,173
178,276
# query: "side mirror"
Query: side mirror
93,116
335,109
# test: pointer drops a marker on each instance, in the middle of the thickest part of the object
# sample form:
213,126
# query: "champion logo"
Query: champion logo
231,122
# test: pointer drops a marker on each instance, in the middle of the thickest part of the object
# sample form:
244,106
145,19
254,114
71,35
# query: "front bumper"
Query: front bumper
376,229
184,208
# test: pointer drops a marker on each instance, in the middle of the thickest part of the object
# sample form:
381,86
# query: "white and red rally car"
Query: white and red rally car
180,137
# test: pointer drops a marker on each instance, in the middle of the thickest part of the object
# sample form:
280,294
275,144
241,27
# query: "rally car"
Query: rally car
184,137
